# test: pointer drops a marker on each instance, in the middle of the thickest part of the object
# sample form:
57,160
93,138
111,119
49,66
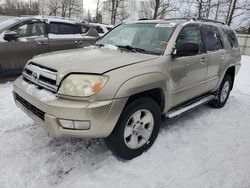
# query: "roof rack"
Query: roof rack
209,20
141,19
177,18
189,19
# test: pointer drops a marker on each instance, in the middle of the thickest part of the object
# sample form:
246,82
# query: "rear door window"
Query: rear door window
231,38
213,41
63,28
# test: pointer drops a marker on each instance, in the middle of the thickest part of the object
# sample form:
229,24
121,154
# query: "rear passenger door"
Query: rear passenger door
64,36
216,54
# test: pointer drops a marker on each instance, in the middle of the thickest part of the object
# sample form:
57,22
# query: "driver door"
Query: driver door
189,73
32,41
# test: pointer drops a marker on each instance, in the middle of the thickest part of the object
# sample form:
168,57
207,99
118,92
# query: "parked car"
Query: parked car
137,73
102,29
23,37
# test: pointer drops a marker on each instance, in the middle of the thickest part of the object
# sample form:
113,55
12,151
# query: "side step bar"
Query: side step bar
186,108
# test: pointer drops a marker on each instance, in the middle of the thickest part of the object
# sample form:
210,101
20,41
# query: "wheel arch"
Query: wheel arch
152,85
231,71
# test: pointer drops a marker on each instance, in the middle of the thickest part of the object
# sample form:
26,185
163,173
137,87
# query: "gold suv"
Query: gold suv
119,88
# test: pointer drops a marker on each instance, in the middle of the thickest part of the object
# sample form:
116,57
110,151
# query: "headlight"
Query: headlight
82,85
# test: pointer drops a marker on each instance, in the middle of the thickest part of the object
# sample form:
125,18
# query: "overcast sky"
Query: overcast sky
89,5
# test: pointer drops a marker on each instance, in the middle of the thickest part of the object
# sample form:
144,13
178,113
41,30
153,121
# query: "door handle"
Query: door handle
222,56
41,42
203,60
78,42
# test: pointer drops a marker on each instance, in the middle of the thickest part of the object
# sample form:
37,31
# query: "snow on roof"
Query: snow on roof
50,19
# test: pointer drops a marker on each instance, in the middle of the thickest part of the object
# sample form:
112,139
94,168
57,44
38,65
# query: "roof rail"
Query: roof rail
209,20
177,18
190,19
141,19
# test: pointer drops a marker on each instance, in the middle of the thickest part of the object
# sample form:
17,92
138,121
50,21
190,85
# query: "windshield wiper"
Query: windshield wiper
99,45
134,49
130,48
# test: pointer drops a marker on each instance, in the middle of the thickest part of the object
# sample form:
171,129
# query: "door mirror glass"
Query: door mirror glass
186,49
10,36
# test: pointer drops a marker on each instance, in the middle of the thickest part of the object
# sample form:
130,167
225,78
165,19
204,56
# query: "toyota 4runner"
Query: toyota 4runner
119,88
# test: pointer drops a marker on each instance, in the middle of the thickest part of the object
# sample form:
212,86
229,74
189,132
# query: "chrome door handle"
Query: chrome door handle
203,60
41,42
78,42
222,57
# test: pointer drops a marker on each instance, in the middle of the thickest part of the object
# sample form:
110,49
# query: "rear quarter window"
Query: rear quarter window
231,37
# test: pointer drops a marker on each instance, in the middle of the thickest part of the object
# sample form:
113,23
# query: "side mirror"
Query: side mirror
186,49
10,36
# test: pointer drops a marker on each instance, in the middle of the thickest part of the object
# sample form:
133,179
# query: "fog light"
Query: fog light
66,124
82,125
79,125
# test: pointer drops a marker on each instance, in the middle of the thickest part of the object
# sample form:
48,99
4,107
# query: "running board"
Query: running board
186,108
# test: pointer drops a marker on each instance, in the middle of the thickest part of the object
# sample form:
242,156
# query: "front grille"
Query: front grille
30,107
41,76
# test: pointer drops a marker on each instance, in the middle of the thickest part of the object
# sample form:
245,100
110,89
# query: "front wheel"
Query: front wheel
222,93
136,129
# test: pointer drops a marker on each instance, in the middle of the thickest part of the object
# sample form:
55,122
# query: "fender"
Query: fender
144,83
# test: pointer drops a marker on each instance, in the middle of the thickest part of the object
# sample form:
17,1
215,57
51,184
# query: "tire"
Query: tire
222,93
136,129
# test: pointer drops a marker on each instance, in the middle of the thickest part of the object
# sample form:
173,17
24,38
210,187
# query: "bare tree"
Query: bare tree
155,9
236,9
73,8
53,7
17,8
65,8
89,16
117,6
98,16
122,13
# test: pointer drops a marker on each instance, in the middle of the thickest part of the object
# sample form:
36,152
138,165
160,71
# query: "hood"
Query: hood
89,60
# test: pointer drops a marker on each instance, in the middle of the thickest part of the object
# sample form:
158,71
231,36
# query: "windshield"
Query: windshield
150,38
7,23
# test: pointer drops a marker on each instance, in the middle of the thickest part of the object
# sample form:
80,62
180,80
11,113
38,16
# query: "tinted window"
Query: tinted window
63,29
213,38
84,28
109,28
30,29
99,29
190,33
231,37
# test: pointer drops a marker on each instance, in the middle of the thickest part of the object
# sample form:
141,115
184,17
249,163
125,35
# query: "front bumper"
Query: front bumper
102,115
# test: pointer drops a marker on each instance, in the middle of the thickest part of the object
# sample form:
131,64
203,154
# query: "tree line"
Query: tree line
17,8
223,10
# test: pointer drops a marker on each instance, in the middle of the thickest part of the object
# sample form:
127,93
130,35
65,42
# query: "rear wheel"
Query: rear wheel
222,93
136,129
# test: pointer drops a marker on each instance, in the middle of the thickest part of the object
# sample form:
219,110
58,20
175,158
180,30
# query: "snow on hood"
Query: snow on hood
90,59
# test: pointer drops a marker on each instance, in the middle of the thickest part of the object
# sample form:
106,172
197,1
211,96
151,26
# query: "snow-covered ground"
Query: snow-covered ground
208,148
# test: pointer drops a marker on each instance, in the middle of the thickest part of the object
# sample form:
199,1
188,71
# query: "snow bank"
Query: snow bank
206,148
